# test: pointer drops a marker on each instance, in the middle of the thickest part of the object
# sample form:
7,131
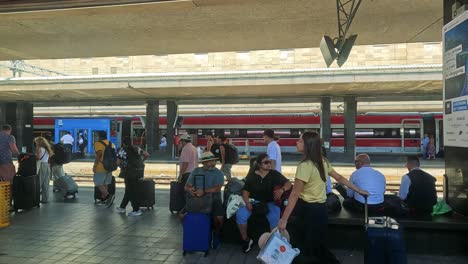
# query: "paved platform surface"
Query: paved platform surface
80,232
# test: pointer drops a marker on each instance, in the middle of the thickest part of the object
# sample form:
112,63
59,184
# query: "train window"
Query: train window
233,133
254,133
243,133
295,133
364,133
206,131
219,132
412,132
192,131
337,133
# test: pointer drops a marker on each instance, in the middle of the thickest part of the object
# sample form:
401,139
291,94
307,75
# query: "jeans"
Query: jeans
131,189
226,169
273,215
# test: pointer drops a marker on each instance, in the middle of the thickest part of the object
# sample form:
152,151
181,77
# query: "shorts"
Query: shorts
102,178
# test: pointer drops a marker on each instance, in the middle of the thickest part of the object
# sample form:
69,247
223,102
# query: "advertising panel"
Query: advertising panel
455,52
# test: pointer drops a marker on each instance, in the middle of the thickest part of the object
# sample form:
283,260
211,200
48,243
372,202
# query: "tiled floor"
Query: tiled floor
80,232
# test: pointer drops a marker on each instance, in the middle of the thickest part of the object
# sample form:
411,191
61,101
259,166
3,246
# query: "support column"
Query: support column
2,113
152,126
172,110
350,111
20,117
325,122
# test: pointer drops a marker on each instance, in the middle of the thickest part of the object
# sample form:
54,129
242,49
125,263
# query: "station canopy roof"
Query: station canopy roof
29,31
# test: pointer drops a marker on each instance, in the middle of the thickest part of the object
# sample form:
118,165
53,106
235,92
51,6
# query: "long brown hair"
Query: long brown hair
313,152
42,142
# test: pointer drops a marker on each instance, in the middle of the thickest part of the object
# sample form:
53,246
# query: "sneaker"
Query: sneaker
135,213
247,246
120,210
109,201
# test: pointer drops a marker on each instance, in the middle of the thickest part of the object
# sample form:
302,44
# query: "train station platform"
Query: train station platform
80,232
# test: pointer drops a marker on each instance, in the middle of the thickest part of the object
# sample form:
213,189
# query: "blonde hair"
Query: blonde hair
42,142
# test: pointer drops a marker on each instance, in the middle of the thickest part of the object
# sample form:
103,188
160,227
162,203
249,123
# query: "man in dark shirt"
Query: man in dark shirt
260,188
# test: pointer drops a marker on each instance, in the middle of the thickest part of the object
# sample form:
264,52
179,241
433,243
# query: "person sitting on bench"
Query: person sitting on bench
365,178
418,189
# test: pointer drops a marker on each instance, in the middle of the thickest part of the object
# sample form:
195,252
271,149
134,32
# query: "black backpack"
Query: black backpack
59,156
134,159
215,150
231,154
109,160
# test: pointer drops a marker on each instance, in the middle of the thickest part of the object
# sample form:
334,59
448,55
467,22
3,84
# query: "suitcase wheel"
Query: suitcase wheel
185,252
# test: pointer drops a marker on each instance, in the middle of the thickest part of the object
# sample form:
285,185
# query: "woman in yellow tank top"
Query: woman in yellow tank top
309,194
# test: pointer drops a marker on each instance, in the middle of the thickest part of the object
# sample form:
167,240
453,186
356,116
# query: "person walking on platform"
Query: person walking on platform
309,195
188,158
226,165
8,148
424,145
418,189
273,149
163,144
43,152
131,162
67,140
102,178
367,178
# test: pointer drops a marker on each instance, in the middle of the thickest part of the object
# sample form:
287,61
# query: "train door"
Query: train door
439,134
81,140
411,134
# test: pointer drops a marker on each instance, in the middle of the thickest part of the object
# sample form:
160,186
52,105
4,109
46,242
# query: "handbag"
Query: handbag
259,209
199,204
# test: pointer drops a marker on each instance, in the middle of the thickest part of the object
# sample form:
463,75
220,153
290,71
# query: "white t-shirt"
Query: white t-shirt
163,142
44,155
67,139
274,153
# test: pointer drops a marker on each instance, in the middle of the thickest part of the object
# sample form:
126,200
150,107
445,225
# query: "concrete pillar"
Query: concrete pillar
20,117
350,111
172,112
2,113
152,126
325,121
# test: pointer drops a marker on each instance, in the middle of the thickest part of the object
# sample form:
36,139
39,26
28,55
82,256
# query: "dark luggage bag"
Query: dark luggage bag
26,192
197,233
385,243
66,185
146,195
176,197
27,164
110,189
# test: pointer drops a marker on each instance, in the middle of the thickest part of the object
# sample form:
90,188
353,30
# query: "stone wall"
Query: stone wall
367,55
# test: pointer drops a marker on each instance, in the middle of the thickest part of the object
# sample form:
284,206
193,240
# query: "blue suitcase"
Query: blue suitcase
385,243
197,233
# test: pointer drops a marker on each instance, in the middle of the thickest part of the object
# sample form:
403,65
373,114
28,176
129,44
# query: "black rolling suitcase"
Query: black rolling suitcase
26,192
110,189
145,195
176,197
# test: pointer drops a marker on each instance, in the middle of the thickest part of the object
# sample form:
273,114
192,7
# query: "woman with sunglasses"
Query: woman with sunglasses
309,194
260,186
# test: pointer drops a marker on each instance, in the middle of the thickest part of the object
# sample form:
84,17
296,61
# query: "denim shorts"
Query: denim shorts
273,215
102,178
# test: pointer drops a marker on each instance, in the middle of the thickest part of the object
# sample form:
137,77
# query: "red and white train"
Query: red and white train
397,133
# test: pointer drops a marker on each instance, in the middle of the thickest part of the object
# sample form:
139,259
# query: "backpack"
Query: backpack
232,155
59,156
215,150
109,160
134,160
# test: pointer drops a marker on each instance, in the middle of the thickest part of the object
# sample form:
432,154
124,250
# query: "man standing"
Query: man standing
188,158
417,188
67,141
273,149
424,144
102,178
226,165
366,178
7,150
214,180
